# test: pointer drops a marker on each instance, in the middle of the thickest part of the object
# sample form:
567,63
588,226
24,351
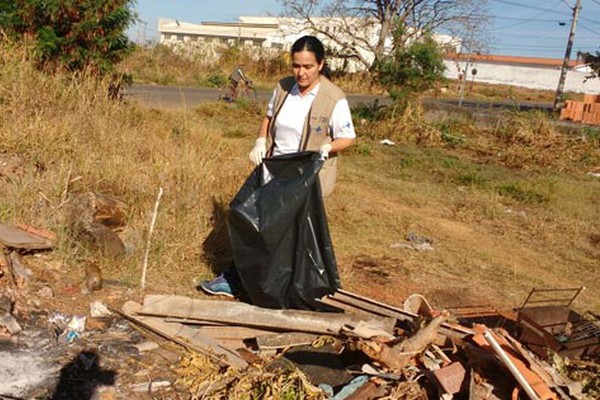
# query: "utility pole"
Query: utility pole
466,70
563,72
144,32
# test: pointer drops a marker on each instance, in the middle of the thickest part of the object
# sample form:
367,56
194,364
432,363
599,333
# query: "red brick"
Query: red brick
451,377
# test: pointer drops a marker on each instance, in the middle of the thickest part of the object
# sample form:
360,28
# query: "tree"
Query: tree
593,62
363,29
76,34
411,69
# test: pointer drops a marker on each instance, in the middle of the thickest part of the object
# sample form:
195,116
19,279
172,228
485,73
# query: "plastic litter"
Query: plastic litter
279,235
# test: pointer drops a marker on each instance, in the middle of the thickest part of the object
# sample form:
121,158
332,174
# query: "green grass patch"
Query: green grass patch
516,192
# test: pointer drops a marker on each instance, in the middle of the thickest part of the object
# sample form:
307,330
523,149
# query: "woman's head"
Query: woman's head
311,44
308,61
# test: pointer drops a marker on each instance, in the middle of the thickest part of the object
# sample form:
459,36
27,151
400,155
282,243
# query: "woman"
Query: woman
307,112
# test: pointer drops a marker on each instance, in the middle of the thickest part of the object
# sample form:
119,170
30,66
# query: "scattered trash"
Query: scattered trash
99,309
74,329
146,346
418,243
387,142
46,292
12,237
351,388
9,323
151,387
594,174
519,213
94,220
548,324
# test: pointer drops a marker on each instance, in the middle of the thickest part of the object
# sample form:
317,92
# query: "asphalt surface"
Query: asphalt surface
181,97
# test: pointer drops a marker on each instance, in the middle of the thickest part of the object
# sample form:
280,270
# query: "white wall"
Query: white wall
524,76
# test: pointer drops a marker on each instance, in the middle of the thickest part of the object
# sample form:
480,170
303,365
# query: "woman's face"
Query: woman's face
306,69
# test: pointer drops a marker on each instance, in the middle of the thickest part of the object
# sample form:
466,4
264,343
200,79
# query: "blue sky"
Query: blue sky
534,28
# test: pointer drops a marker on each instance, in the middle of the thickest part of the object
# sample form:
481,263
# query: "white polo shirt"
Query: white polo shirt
289,123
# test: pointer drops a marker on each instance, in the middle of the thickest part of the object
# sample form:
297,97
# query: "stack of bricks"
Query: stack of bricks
586,111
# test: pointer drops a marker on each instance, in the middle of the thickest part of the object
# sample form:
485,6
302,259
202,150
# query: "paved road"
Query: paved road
177,97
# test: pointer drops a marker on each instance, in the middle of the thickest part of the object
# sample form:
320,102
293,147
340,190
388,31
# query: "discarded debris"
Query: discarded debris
13,237
94,219
151,387
547,323
418,243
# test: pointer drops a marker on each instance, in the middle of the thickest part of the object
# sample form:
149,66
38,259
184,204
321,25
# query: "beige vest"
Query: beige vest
316,126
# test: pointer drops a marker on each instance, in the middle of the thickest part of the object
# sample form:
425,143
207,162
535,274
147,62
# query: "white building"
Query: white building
529,72
272,33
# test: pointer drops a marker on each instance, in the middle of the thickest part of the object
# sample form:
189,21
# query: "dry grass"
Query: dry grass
508,208
161,65
278,380
164,66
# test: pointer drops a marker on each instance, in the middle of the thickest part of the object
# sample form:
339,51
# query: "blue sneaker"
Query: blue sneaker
218,286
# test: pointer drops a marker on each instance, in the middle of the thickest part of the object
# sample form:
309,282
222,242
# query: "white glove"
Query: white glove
324,150
259,151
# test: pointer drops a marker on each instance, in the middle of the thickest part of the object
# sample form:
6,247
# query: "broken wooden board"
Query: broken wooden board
183,335
352,302
247,315
223,331
15,238
230,336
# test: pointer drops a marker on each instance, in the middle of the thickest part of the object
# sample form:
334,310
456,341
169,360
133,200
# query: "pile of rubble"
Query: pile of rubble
364,349
357,348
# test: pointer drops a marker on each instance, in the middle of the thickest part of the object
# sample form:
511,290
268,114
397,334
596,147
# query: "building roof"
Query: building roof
514,60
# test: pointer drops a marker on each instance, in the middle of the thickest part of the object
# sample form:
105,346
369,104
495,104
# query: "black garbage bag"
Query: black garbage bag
279,235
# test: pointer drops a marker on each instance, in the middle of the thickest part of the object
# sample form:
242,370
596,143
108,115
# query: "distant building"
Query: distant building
529,72
266,33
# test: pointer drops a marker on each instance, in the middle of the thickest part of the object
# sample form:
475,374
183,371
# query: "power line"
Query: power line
537,48
533,46
548,36
585,28
567,4
511,3
528,19
590,20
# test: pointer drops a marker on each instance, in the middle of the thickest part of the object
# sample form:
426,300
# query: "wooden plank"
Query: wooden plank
351,308
183,335
378,308
283,340
232,332
247,315
16,238
374,306
193,322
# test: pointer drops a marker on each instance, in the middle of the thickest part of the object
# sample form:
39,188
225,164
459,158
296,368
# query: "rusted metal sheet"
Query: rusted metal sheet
546,322
243,314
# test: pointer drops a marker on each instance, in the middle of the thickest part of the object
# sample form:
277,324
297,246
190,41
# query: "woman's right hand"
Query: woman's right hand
259,151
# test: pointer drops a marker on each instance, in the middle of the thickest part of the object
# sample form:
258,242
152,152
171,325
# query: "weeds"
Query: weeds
519,194
448,178
280,380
